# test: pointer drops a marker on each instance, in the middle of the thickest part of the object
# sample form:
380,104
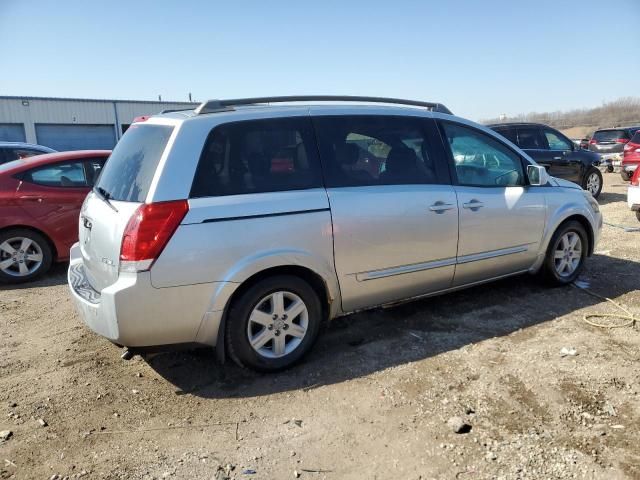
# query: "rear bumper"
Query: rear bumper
133,313
633,198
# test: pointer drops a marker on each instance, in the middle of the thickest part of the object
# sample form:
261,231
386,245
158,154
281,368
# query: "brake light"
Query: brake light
622,140
148,232
593,141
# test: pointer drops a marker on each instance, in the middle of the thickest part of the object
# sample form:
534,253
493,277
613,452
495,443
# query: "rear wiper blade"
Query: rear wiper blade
106,196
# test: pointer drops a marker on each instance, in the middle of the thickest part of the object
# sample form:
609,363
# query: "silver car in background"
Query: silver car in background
244,226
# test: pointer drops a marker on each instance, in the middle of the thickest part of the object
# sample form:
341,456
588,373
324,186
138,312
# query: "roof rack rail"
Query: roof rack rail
213,106
173,110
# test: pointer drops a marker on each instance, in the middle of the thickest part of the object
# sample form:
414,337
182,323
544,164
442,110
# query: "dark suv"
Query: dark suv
559,155
609,144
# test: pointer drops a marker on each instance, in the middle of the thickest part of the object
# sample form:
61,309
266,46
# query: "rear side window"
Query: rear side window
610,135
530,137
636,137
19,153
69,174
258,156
130,169
509,133
366,150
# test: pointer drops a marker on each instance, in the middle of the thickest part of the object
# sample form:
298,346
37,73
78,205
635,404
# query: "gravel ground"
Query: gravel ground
373,400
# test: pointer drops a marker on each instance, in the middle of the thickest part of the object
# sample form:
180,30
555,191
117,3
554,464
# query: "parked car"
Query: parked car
10,151
633,193
40,200
245,227
630,157
609,144
558,154
584,144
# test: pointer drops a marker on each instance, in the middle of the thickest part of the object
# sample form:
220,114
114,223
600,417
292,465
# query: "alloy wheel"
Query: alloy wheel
568,254
278,324
20,256
593,183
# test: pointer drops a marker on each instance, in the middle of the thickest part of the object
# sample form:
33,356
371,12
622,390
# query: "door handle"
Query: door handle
473,205
440,207
31,198
557,158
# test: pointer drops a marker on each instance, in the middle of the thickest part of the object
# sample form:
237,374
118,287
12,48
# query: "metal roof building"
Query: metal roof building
73,123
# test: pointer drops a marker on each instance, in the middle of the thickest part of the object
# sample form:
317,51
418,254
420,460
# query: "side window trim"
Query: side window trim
451,161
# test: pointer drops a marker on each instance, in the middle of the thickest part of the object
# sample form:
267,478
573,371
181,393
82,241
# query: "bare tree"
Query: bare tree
624,111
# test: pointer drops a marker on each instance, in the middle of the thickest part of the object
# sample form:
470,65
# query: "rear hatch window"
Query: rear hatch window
609,135
128,173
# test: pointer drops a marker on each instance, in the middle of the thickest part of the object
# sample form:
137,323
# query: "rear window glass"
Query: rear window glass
258,156
128,173
609,135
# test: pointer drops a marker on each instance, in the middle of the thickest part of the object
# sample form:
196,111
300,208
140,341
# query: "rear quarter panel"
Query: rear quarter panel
229,239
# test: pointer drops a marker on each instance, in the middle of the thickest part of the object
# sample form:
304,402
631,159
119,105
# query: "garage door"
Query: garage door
75,137
12,132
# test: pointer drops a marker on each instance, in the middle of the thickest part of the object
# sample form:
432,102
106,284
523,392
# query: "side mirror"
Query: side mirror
537,175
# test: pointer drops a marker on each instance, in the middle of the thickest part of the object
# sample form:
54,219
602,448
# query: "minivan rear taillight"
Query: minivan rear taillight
622,140
148,232
593,141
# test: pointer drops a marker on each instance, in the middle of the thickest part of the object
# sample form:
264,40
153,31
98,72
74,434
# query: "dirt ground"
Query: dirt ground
372,401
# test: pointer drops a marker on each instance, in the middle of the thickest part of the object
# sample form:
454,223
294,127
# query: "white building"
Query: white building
73,123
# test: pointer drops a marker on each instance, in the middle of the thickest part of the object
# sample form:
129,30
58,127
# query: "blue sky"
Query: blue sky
480,58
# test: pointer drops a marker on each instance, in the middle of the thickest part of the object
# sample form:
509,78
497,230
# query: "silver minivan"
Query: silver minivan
245,224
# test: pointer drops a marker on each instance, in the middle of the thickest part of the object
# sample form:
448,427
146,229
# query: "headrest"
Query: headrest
347,154
401,159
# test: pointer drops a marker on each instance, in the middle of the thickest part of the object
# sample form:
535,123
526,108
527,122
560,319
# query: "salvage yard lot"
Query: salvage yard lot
371,401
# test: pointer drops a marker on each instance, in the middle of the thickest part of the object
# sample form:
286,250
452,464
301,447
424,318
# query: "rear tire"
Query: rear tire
638,215
273,324
24,255
609,168
566,254
592,182
625,176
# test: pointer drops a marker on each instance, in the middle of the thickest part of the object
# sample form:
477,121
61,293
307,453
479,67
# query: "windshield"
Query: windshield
129,170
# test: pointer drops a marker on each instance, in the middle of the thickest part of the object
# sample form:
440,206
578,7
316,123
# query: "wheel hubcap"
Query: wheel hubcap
20,256
568,254
278,324
593,183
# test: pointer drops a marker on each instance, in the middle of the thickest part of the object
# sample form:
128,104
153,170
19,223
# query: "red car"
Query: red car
40,200
631,157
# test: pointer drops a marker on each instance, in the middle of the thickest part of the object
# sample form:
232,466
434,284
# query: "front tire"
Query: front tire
273,324
566,254
24,255
592,182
